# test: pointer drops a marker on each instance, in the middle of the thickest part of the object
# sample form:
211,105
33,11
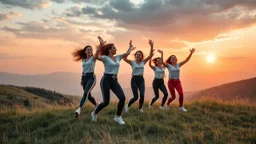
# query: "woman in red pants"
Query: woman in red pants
174,78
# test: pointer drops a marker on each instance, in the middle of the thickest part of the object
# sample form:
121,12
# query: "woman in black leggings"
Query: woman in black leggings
158,82
88,77
109,79
137,81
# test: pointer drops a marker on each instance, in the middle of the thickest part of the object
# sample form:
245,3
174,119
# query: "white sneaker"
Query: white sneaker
77,112
94,116
126,108
183,109
167,106
119,119
97,104
161,107
149,106
141,110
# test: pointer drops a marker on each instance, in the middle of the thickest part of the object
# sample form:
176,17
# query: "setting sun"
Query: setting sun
210,58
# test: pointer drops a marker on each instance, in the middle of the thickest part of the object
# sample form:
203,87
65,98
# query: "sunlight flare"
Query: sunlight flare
210,58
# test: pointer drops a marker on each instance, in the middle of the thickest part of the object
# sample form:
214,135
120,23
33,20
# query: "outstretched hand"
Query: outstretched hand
160,51
151,43
102,42
192,50
131,46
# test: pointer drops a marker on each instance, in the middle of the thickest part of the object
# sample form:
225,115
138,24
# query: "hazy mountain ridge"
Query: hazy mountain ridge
68,83
239,90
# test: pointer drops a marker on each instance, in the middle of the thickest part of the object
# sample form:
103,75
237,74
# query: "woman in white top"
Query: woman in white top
158,82
137,81
109,80
88,77
174,78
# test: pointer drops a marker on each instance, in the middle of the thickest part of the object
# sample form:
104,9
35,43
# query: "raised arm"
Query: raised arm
150,64
151,43
127,60
162,58
188,58
125,55
96,55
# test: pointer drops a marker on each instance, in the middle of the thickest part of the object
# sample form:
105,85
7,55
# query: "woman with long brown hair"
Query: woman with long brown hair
109,80
174,78
137,81
88,77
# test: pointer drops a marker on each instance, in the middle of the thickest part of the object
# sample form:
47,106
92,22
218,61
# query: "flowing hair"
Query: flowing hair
155,59
104,49
169,59
79,54
139,51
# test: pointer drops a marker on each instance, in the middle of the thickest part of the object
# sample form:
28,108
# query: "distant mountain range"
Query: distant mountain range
67,83
240,90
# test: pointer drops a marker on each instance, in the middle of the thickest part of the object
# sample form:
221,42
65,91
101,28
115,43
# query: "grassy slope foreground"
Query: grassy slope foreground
205,122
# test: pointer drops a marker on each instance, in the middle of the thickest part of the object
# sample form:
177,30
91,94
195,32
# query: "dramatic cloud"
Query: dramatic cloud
89,10
59,1
28,4
122,5
94,2
164,21
97,24
58,28
74,11
41,30
178,19
10,15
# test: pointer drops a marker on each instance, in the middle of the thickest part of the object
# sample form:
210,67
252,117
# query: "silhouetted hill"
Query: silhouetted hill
67,83
33,97
240,90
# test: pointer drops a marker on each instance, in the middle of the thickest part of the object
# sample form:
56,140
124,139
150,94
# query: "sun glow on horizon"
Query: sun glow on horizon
210,58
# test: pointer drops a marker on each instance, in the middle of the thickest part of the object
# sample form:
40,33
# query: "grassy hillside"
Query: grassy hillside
14,96
205,122
241,90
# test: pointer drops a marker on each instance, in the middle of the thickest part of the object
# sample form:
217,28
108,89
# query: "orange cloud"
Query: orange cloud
8,16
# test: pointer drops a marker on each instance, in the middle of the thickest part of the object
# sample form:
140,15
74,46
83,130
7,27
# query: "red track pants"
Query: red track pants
175,84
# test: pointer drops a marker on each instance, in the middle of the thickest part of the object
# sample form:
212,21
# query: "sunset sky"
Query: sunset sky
38,36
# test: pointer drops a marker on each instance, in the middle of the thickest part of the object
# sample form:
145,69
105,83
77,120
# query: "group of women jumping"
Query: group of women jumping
107,54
